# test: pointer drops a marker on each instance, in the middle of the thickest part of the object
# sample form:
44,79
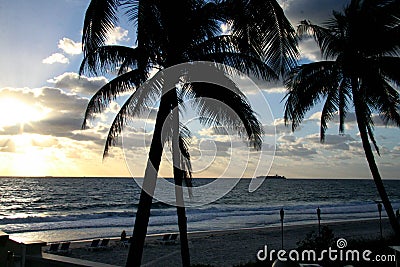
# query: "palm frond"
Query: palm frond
243,63
327,40
262,25
216,73
307,85
218,105
280,41
109,92
100,18
386,101
228,50
389,67
131,9
344,99
328,111
109,58
136,104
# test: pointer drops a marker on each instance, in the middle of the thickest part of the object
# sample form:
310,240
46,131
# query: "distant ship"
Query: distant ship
273,177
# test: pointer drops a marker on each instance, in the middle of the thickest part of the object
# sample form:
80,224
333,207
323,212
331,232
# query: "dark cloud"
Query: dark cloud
317,11
64,111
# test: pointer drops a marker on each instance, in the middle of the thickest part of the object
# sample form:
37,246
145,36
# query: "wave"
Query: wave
95,209
164,210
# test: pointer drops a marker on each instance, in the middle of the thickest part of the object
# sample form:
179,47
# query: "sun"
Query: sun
16,112
24,157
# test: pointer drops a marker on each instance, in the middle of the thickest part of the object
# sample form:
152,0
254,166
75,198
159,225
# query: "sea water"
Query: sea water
56,209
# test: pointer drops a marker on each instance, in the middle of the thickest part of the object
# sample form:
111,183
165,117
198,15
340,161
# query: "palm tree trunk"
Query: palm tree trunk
149,182
374,168
182,220
178,178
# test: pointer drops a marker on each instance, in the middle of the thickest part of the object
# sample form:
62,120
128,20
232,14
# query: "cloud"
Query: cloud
350,117
287,138
117,35
330,139
56,58
297,150
76,84
64,112
69,46
273,88
317,11
310,50
279,128
226,28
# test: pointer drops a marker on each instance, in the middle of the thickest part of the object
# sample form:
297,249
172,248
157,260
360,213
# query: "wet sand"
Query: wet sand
226,248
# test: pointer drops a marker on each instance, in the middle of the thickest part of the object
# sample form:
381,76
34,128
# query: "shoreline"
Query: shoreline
27,236
228,247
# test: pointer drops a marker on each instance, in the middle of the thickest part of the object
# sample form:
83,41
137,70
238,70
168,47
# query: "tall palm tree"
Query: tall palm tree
361,47
261,42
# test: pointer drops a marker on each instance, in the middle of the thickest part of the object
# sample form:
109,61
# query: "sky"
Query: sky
43,100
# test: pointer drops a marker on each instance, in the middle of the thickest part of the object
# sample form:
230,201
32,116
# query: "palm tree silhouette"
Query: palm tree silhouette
361,46
260,42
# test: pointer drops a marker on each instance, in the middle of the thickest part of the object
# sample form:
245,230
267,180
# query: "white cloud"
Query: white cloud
330,139
56,58
287,139
117,35
226,28
310,50
275,90
350,117
76,84
316,116
294,150
69,46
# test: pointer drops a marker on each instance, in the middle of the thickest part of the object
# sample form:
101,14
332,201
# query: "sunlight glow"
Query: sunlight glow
16,112
28,158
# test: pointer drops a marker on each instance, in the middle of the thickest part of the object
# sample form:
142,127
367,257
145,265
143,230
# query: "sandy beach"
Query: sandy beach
227,248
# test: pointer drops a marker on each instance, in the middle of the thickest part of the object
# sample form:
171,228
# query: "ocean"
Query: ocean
57,209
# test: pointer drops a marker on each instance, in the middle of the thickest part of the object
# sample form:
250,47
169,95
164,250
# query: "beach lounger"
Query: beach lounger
173,238
165,238
64,249
53,248
169,239
94,245
104,243
123,243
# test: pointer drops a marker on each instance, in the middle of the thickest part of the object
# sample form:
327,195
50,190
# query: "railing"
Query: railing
29,254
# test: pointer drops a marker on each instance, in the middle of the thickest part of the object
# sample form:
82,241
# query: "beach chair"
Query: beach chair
125,243
64,249
172,238
53,248
94,245
169,239
165,238
104,243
